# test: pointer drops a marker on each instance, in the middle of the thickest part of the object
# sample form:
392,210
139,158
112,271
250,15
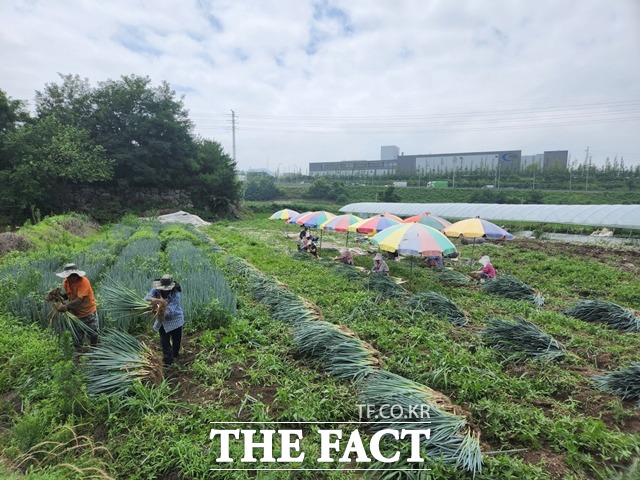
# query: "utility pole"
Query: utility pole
233,130
587,161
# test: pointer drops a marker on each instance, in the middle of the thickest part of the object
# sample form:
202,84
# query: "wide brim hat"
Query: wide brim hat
484,260
70,269
164,283
377,256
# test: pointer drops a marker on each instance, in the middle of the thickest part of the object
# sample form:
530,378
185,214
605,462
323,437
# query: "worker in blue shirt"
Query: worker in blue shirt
170,325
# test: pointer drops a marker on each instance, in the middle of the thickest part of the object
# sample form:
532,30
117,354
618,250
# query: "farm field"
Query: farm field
255,311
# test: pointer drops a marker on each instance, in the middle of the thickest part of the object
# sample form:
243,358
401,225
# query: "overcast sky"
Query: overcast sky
333,80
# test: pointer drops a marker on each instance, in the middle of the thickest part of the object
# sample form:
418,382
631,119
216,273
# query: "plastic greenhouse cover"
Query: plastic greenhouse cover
616,216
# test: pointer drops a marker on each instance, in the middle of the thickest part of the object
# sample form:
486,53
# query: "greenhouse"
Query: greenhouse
613,216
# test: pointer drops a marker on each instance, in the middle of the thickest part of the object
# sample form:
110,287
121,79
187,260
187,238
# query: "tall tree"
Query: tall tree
49,160
13,113
214,181
70,102
146,131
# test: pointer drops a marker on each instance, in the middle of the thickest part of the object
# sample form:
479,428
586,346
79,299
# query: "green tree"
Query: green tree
319,188
12,114
146,131
70,102
215,185
262,188
49,160
389,195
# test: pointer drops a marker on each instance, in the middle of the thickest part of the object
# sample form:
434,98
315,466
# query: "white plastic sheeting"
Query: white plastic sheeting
616,216
183,217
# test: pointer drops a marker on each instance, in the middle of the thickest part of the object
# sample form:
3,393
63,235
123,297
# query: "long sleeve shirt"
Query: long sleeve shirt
489,271
380,266
174,317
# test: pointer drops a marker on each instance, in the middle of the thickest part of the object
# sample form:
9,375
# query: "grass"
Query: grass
252,368
427,350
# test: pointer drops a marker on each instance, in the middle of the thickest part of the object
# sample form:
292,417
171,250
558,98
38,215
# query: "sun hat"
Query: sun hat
484,260
377,256
70,269
164,283
344,250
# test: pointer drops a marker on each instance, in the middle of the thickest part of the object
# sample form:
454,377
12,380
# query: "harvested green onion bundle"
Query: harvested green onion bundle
521,339
452,440
451,277
510,287
118,361
341,354
607,312
625,382
122,301
60,322
386,286
438,304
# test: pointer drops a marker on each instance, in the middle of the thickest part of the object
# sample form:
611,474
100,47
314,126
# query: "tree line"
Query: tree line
121,135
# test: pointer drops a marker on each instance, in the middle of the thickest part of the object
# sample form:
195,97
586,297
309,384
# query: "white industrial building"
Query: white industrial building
393,163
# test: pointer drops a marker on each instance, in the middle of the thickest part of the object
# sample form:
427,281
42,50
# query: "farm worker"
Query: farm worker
345,256
81,302
487,271
303,233
379,265
312,248
434,261
169,327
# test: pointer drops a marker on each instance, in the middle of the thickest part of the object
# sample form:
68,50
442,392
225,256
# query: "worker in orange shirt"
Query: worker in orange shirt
81,302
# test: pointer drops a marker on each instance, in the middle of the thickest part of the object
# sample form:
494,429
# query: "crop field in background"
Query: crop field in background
253,304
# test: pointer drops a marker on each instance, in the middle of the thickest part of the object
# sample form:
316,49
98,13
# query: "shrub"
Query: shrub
10,242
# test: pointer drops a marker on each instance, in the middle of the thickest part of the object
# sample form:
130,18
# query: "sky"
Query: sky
332,80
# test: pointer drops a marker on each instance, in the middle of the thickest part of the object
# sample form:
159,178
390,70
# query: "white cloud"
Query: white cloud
335,80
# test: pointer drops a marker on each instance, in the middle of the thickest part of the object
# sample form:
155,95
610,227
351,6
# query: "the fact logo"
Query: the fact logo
362,444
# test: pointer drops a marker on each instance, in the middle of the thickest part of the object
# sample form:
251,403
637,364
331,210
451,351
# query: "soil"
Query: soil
192,391
617,256
552,462
585,400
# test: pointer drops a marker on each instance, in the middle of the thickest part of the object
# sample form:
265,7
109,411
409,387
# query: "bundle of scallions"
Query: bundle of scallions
122,301
607,312
510,287
521,339
118,361
624,382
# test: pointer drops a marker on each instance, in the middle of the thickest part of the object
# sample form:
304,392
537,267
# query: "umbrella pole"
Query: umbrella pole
472,250
347,242
321,230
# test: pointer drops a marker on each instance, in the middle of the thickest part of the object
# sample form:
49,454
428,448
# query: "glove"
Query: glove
55,294
61,307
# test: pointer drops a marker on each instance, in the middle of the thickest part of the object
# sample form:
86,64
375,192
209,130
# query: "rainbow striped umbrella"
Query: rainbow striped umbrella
476,228
284,214
315,219
375,224
340,223
430,220
413,239
295,218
